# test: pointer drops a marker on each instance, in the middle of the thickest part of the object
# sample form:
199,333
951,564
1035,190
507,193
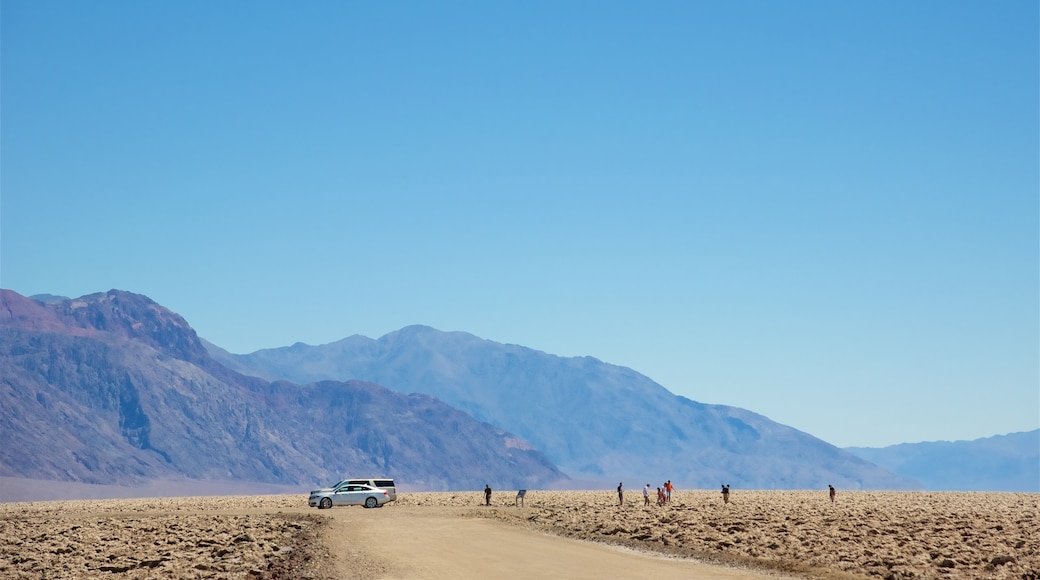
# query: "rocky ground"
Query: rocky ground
891,535
215,537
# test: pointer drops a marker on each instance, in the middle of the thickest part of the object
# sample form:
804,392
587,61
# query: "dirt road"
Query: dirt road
406,542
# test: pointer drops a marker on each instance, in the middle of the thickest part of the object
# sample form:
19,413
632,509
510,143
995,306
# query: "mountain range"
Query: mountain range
114,388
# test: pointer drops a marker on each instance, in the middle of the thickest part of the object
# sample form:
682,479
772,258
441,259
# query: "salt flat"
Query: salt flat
451,534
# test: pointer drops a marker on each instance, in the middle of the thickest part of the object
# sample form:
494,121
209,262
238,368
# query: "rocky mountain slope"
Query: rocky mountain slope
1000,463
599,422
114,388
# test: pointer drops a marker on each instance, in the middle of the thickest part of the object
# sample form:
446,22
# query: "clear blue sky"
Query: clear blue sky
824,212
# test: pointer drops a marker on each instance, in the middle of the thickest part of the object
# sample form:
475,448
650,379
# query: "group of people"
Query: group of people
664,493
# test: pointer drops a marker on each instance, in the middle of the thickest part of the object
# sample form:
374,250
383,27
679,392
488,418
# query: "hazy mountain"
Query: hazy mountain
596,420
114,388
1000,463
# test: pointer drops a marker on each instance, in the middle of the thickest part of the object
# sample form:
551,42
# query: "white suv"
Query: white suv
369,492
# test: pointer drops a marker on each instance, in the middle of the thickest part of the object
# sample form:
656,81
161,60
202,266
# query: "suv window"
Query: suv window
376,482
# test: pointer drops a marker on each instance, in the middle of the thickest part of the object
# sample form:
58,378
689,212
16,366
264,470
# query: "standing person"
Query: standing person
725,493
668,487
620,494
646,495
487,494
832,493
660,496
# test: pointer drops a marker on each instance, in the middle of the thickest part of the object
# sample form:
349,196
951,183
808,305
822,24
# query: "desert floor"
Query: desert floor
766,534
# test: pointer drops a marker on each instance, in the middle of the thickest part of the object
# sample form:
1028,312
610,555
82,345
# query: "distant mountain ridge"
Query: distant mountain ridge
1000,463
598,422
114,388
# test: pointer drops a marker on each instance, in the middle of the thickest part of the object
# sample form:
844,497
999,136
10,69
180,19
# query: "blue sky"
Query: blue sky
824,212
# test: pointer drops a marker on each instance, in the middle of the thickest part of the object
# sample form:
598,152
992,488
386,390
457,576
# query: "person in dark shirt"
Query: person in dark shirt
487,494
620,494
